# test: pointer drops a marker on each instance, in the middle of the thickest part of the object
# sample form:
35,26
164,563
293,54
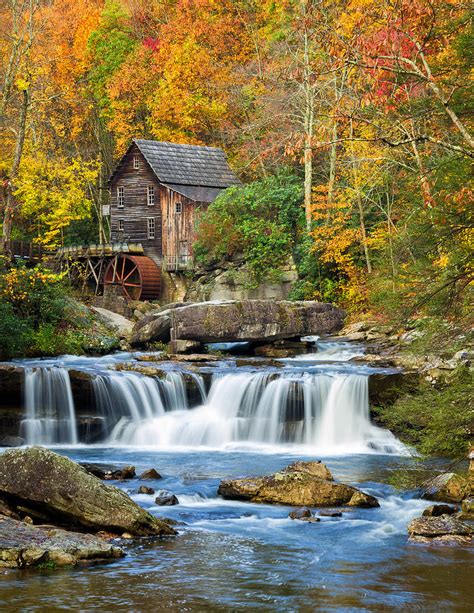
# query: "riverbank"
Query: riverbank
429,407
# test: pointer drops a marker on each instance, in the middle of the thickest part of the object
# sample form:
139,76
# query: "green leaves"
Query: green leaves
260,221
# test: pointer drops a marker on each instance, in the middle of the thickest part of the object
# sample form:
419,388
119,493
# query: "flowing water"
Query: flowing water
234,555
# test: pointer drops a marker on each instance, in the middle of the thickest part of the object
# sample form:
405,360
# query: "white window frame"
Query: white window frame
120,196
121,225
150,195
150,228
178,208
136,162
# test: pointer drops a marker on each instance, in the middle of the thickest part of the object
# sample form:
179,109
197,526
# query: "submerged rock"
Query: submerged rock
41,483
300,484
22,545
167,500
448,487
143,489
437,510
149,475
299,513
107,472
444,528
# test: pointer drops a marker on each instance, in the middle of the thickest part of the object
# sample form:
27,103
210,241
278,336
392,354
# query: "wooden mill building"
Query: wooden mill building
157,192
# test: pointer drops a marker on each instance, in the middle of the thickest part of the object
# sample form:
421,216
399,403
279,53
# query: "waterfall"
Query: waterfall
49,416
325,410
122,400
328,412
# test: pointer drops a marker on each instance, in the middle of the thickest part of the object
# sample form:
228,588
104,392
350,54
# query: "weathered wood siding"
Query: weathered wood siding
136,210
179,229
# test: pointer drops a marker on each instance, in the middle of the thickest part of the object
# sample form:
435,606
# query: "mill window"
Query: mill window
120,197
178,208
151,227
136,162
150,193
120,225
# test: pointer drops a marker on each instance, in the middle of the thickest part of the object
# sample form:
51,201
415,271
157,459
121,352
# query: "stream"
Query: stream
240,419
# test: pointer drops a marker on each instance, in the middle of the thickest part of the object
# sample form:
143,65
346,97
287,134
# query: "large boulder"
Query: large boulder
231,320
23,545
44,484
300,484
444,528
447,487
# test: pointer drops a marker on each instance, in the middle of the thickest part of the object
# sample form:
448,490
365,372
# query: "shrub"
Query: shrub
260,221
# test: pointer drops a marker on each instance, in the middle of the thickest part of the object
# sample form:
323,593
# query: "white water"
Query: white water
325,411
49,407
329,413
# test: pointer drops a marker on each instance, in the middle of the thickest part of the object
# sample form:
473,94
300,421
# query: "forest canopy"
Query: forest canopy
349,123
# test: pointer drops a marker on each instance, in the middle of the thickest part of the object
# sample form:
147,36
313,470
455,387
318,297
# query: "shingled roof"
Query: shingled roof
191,165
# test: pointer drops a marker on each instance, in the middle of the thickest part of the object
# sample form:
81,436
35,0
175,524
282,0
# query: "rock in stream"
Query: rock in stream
300,484
53,488
23,545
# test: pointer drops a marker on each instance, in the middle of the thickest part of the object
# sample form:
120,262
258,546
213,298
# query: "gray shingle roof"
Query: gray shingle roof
198,193
187,164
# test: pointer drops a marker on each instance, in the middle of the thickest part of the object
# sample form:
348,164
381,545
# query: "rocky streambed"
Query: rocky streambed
234,445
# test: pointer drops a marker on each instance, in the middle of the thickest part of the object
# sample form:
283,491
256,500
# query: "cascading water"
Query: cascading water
324,407
49,407
327,412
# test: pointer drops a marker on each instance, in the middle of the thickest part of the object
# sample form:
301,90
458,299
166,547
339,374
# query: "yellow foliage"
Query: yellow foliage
55,193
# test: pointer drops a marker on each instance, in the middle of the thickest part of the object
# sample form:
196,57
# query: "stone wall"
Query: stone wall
113,300
235,283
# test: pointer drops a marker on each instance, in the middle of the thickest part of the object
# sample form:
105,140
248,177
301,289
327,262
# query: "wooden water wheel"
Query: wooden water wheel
138,275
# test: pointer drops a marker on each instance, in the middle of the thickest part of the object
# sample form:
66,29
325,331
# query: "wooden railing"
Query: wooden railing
28,251
178,262
107,249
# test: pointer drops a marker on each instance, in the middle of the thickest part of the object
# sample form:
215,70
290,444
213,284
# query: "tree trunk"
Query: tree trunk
10,204
308,122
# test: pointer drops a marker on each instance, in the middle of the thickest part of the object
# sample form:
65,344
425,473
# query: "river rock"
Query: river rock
149,475
143,489
467,508
448,487
167,500
232,320
22,545
108,472
118,323
300,484
436,510
12,441
65,494
299,513
444,528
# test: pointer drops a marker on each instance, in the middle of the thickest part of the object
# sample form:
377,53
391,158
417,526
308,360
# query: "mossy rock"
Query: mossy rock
64,494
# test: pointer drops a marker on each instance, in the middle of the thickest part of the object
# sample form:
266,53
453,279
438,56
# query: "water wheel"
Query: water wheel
138,275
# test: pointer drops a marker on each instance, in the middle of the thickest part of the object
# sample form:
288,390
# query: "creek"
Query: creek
197,426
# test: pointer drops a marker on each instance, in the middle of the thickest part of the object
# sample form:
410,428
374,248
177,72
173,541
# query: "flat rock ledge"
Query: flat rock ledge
51,488
300,484
444,529
23,545
232,320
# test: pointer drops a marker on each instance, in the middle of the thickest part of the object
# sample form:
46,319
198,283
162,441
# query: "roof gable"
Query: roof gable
186,164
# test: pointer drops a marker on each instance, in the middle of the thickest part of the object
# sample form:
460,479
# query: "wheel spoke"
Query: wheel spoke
131,272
